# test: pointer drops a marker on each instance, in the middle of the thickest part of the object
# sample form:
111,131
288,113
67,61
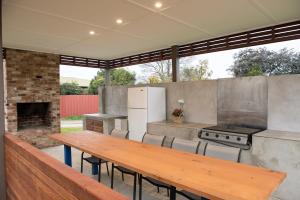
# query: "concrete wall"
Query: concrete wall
284,103
200,100
274,150
267,102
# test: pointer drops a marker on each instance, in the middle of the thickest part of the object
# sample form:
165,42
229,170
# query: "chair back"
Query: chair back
185,145
119,133
223,152
202,147
153,139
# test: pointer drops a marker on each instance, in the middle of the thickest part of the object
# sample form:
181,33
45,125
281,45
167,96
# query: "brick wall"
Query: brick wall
94,125
32,77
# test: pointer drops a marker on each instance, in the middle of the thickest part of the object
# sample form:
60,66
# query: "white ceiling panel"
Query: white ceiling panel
281,10
219,17
62,26
101,46
159,29
38,22
101,13
28,40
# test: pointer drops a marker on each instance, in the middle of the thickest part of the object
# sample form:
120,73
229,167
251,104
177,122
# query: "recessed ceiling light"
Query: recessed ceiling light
92,32
119,21
158,5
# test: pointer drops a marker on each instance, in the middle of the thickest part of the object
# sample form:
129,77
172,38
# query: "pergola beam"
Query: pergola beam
2,129
175,64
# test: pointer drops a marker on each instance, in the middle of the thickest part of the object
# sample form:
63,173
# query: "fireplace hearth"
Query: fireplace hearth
33,115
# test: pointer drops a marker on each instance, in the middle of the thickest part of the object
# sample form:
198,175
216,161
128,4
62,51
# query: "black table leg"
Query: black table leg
173,193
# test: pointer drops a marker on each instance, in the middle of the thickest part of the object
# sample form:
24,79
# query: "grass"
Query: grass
70,129
80,117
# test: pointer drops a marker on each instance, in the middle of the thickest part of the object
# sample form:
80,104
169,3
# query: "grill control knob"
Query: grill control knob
227,137
238,139
207,134
217,135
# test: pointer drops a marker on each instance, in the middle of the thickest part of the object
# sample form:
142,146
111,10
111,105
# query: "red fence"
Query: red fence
71,105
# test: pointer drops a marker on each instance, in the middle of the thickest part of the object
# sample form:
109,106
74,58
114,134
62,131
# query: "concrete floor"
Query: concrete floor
149,191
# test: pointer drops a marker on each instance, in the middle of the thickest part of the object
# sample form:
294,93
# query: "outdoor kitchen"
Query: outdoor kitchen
248,112
149,100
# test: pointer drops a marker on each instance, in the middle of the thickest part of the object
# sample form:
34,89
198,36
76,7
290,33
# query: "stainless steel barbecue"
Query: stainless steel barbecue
230,135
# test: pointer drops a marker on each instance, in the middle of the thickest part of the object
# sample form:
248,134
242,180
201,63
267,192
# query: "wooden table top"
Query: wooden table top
202,175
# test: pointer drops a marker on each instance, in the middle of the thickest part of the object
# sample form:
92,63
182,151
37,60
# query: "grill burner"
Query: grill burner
230,135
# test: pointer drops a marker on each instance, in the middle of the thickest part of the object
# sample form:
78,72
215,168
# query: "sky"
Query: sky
218,62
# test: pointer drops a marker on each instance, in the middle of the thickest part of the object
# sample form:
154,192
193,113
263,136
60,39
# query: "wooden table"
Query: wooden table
205,176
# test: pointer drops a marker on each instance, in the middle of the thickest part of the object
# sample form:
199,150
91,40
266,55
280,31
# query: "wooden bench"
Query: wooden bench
32,174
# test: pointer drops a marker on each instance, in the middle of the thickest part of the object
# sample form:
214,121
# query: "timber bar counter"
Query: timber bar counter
209,177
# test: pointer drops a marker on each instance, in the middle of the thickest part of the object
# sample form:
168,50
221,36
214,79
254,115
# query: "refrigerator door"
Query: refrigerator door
137,119
137,97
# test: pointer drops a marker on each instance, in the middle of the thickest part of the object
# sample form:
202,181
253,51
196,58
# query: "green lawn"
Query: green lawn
80,117
70,129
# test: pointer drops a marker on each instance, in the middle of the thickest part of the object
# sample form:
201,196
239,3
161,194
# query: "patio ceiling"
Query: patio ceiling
62,26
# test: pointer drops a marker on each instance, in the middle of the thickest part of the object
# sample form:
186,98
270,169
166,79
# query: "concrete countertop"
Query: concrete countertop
182,125
104,116
283,135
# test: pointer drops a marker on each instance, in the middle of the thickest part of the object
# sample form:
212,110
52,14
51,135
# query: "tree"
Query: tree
117,77
96,82
199,72
253,62
70,89
153,80
160,69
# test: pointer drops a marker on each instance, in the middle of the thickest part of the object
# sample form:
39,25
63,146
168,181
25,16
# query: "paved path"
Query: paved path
71,123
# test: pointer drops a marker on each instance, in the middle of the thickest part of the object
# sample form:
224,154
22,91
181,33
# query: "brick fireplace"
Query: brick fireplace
32,95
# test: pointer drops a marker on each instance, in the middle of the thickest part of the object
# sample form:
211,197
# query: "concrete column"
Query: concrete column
107,77
101,95
2,129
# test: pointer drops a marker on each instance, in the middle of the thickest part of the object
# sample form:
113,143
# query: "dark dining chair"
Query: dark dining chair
216,151
159,141
148,139
98,161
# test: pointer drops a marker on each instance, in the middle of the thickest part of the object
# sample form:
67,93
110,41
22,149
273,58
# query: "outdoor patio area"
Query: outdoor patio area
150,100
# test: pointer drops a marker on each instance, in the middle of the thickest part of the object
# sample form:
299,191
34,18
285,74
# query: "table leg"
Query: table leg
94,169
68,155
173,193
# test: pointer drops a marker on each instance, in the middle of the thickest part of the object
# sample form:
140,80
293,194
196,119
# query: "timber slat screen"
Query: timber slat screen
32,174
83,62
278,33
152,56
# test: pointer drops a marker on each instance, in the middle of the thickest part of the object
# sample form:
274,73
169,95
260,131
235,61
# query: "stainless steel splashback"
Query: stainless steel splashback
243,101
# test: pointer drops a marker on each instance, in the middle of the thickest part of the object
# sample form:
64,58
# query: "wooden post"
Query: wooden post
175,64
2,129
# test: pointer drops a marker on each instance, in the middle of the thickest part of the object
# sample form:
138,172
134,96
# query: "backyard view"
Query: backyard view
149,100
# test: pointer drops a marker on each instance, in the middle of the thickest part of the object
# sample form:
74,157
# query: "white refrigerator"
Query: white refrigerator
145,104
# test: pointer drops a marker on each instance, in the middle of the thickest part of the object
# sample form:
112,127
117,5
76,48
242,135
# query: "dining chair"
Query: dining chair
157,140
98,161
216,151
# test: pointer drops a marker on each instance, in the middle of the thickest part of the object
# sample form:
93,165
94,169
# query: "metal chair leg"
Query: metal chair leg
99,171
157,189
107,168
134,187
122,176
81,163
140,186
112,176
